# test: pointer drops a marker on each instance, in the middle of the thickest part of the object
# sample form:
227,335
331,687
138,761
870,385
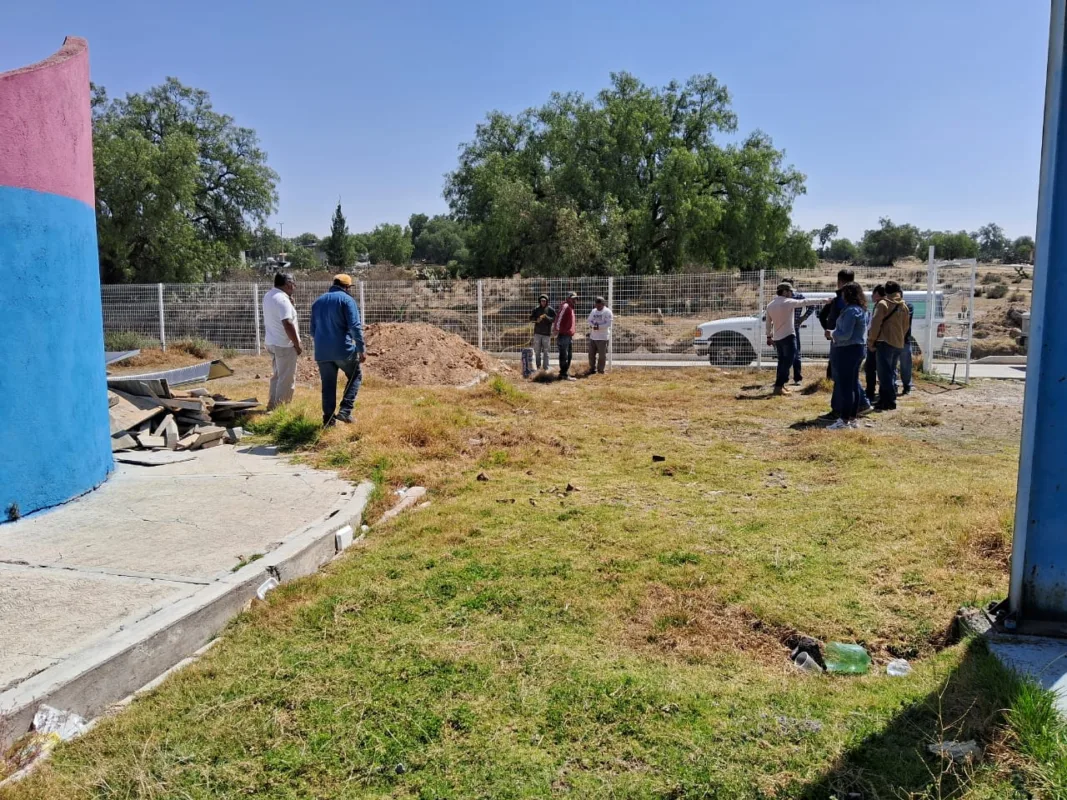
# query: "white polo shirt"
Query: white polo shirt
277,307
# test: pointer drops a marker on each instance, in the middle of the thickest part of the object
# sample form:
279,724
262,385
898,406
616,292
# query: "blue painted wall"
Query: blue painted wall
54,432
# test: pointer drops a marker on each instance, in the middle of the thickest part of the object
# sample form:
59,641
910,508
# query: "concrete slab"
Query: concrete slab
103,594
1042,659
196,519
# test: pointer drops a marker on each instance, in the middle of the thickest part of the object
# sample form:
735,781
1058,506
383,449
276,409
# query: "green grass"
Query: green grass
625,640
128,340
291,429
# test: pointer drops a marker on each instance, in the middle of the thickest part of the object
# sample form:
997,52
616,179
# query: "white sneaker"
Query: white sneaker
853,424
838,426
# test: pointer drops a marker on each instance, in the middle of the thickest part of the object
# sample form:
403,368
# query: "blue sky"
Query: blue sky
926,111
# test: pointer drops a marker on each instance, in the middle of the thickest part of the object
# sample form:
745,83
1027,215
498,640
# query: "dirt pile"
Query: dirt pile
418,354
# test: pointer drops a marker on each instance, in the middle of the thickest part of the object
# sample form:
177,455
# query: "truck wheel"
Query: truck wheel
730,349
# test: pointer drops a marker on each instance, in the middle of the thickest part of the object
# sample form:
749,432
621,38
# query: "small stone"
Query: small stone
533,502
401,769
572,488
482,477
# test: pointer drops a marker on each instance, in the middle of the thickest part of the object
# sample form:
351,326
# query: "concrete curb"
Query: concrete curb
90,681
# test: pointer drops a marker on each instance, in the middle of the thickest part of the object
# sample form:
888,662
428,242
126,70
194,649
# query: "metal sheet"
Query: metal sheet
114,356
182,376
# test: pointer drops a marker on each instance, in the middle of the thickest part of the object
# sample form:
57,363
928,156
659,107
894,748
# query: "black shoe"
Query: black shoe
328,422
906,391
344,418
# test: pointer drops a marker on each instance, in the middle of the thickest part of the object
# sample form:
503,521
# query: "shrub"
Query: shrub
997,291
128,340
992,277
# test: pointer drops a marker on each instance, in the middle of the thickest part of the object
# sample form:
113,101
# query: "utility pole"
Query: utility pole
281,229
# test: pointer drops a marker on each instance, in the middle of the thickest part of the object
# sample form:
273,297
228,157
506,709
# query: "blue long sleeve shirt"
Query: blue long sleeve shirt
851,327
336,326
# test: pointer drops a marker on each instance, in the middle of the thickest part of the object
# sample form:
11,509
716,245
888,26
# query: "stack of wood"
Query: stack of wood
148,414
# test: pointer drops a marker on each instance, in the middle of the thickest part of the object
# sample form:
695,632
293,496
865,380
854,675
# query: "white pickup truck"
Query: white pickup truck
733,341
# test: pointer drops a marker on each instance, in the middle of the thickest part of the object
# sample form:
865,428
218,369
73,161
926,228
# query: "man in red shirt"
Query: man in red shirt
565,325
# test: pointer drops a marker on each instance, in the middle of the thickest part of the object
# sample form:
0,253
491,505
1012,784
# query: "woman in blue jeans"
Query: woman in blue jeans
849,339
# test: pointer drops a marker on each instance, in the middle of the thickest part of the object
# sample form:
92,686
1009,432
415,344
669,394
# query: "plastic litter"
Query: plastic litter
268,585
957,752
850,659
898,668
63,724
805,663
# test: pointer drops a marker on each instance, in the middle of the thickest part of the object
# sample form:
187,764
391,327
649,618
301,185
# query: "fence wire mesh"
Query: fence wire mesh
715,318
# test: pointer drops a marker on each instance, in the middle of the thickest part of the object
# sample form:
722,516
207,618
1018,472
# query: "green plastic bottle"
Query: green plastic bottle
847,658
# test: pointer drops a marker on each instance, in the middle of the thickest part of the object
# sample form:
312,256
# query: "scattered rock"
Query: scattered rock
572,488
533,502
657,459
482,477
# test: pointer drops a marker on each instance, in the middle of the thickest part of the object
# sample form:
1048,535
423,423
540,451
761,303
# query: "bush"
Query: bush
997,291
128,340
1017,297
992,277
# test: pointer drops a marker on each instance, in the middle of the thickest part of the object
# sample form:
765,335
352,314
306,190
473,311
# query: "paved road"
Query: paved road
994,371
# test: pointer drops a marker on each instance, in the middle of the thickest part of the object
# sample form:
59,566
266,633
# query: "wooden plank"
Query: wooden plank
186,441
207,436
112,399
131,411
175,404
122,441
148,440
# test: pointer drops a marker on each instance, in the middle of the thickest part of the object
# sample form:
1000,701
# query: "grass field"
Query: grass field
590,622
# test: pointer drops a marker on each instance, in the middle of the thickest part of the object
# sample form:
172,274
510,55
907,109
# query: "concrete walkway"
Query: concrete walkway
103,575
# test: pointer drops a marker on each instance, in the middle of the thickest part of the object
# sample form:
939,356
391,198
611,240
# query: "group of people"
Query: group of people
337,333
880,338
563,325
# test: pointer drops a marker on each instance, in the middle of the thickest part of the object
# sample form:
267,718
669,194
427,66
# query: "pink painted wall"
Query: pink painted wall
36,152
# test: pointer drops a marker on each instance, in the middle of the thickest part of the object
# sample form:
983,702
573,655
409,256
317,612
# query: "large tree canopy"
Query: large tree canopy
178,185
633,181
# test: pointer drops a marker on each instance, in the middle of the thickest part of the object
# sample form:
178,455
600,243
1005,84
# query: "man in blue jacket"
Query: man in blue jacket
338,334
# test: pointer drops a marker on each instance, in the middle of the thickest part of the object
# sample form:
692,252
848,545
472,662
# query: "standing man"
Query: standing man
542,316
905,354
599,334
886,340
870,364
781,333
338,334
565,325
283,339
800,316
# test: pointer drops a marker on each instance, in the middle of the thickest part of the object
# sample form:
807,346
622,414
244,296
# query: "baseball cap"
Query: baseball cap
344,280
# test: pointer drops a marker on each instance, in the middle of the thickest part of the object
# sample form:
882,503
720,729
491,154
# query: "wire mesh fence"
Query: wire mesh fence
715,318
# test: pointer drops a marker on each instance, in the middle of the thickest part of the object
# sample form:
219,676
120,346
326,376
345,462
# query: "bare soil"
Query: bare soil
417,354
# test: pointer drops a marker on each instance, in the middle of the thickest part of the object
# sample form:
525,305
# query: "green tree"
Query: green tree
992,243
842,251
825,234
360,244
633,180
300,256
416,222
307,240
179,186
390,244
947,245
794,252
1021,251
440,241
888,242
337,248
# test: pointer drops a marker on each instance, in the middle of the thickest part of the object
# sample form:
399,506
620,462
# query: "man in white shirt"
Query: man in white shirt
283,339
781,332
599,334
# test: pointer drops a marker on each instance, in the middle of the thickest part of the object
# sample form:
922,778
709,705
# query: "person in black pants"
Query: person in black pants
829,313
870,365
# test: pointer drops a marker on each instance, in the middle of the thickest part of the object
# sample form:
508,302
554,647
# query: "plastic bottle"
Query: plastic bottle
898,668
805,663
847,658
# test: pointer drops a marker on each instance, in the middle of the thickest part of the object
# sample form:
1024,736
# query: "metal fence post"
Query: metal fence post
255,308
759,322
970,325
481,324
362,303
611,330
162,326
931,313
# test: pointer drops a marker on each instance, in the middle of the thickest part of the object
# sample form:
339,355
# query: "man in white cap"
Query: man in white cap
599,334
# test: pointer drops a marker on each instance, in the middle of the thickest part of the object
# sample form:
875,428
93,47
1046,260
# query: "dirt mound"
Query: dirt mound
418,354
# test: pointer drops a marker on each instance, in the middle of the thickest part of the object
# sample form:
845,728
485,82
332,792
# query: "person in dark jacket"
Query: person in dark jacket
565,326
870,364
542,317
885,338
829,313
338,333
905,355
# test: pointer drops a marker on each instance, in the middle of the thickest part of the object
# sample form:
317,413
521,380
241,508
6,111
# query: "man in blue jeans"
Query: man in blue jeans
338,334
781,333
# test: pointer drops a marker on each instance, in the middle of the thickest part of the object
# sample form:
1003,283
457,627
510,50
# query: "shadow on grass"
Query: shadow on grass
894,762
